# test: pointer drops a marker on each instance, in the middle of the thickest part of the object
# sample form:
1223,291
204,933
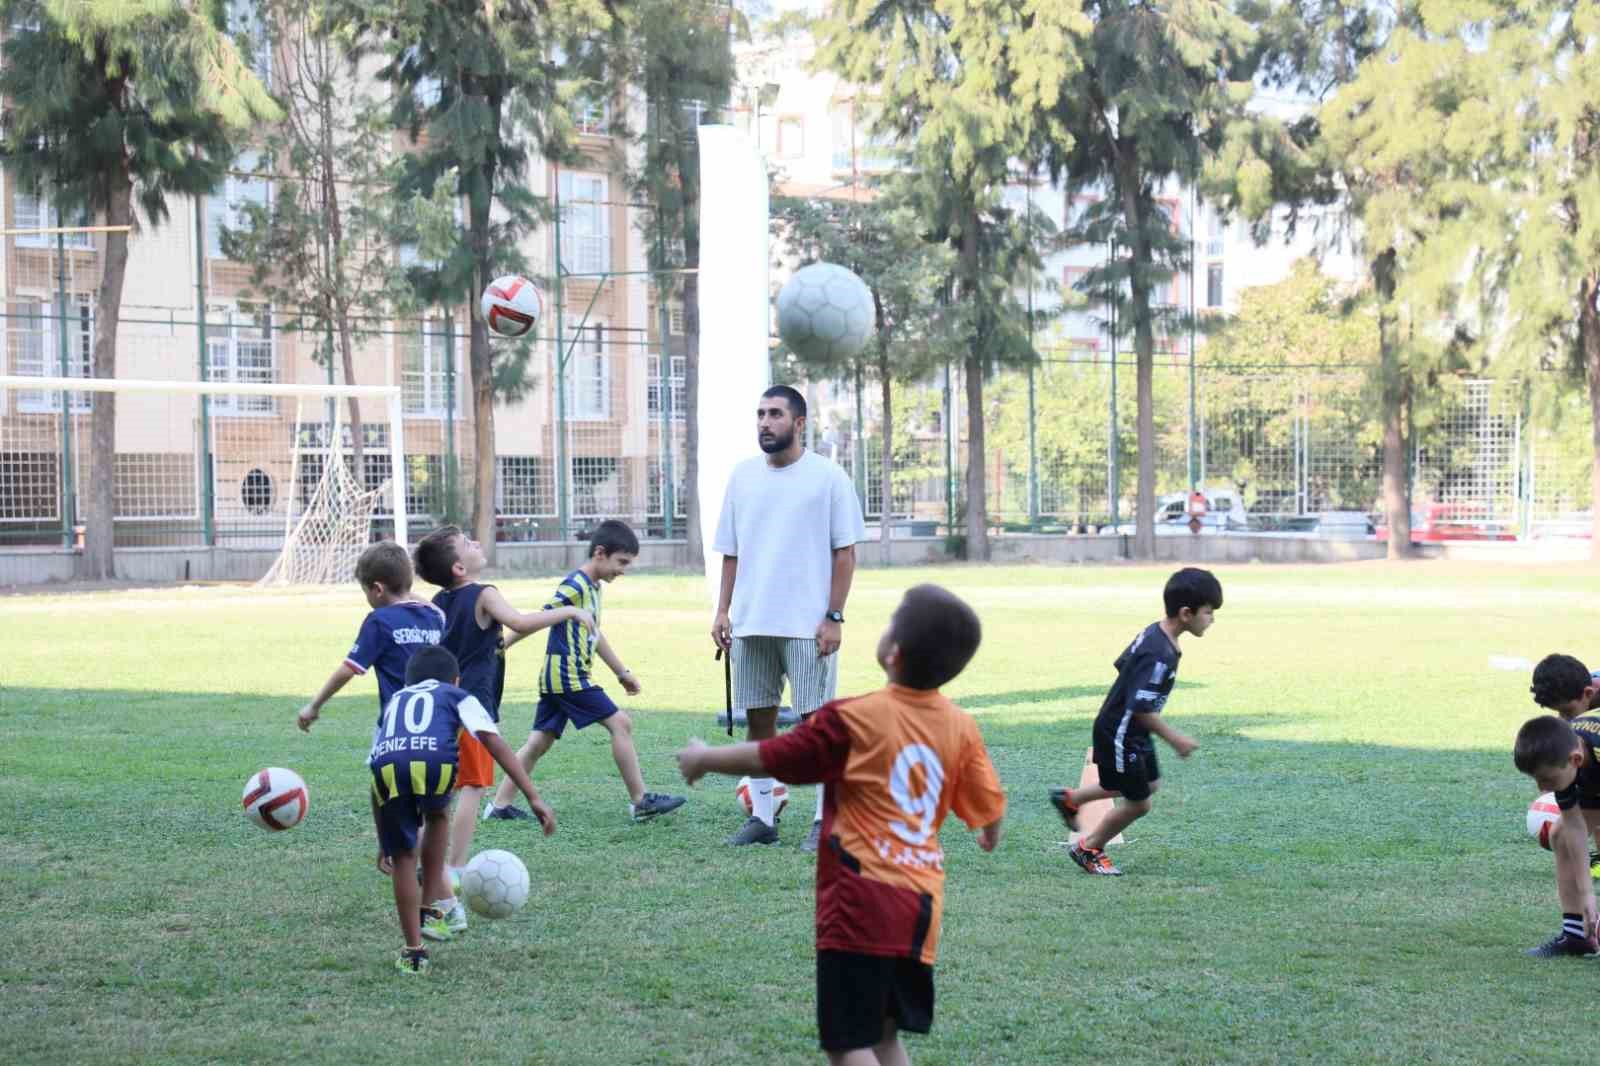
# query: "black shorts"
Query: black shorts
855,993
1139,772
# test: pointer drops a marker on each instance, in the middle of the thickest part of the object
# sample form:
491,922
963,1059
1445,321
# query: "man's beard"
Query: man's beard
775,444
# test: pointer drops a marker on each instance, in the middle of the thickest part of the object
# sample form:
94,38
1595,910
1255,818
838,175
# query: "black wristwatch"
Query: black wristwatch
835,616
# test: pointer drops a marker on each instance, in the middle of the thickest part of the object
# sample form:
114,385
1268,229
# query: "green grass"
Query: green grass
1339,875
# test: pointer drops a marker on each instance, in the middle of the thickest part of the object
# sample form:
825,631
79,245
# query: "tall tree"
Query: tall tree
970,86
1158,88
880,238
683,60
112,108
478,87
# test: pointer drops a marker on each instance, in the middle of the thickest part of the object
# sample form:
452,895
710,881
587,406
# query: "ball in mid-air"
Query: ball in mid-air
275,798
1543,814
780,796
511,306
825,312
495,884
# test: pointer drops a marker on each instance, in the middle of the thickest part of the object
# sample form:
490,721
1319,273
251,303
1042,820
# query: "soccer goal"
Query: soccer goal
255,467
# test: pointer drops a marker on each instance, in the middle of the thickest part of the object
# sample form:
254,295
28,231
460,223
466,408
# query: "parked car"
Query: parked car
1452,521
1224,513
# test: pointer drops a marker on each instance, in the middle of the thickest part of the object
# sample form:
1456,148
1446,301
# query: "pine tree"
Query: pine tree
113,108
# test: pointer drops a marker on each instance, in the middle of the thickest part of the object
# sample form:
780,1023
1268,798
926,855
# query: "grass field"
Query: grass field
1339,875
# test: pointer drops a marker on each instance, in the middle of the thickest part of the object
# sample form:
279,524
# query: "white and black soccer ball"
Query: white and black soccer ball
825,313
495,884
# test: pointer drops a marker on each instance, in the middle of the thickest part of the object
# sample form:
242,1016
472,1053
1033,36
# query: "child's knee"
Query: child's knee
620,723
1140,808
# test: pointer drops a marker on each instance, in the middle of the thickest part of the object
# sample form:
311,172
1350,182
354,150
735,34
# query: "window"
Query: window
585,223
34,342
255,492
525,487
1214,285
239,348
35,212
697,112
30,485
250,35
596,487
1215,231
225,208
424,383
588,374
591,115
656,488
677,325
854,146
1072,277
791,137
653,393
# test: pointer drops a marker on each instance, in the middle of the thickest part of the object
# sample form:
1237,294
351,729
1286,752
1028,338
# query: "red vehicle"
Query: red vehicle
1452,521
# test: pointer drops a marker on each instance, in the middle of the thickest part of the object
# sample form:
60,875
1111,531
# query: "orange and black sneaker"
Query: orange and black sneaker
1061,800
1093,861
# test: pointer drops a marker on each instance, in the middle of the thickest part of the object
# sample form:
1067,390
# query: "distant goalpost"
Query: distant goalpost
278,475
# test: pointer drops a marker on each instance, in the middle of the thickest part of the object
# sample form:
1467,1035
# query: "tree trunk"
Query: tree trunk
695,544
887,504
100,517
480,356
977,501
1589,338
1144,508
1396,497
340,284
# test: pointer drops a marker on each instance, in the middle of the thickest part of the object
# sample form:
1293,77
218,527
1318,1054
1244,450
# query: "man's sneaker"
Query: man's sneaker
754,831
435,926
1093,861
1565,944
1594,864
413,961
813,838
503,814
653,803
1061,800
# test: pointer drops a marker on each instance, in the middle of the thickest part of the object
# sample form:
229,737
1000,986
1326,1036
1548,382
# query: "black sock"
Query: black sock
1572,925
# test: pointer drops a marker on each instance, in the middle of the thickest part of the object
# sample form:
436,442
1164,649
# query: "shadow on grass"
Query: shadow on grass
1045,695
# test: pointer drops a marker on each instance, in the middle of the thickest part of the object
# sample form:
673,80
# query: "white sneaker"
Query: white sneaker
457,919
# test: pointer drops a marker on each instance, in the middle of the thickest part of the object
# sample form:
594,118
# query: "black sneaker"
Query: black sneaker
653,803
754,831
813,838
504,814
1093,861
1565,944
1061,800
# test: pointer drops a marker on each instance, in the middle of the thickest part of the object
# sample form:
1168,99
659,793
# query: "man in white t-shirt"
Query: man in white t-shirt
790,523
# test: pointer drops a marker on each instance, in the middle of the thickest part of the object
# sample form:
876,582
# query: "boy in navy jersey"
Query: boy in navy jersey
566,693
1123,751
474,614
414,763
397,626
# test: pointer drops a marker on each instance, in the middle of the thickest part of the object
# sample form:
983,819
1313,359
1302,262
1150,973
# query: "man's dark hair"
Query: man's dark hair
611,537
1193,588
1543,742
385,563
1558,680
432,663
791,396
436,555
937,634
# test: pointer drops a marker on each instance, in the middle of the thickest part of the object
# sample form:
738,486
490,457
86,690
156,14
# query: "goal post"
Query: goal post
220,462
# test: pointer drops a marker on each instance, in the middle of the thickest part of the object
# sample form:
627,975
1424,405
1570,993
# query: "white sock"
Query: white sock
818,816
761,798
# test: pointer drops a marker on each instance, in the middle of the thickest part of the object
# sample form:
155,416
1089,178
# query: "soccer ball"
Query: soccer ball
275,798
511,306
495,884
1543,814
780,796
825,312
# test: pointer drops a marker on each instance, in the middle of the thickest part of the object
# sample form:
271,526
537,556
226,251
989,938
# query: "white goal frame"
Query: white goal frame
390,394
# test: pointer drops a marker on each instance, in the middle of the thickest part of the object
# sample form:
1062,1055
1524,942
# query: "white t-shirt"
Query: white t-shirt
784,523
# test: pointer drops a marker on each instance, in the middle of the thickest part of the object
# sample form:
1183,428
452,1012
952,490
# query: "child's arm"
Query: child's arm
1152,723
697,760
509,762
496,607
1574,884
313,710
989,835
625,678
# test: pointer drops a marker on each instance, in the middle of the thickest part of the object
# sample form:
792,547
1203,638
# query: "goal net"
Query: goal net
274,473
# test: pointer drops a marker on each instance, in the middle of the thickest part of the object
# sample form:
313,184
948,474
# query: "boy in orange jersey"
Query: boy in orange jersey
896,762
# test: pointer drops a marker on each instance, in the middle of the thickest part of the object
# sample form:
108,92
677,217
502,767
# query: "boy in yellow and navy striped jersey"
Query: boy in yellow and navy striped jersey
568,693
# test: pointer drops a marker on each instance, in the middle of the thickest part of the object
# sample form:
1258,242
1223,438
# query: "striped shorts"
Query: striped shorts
760,665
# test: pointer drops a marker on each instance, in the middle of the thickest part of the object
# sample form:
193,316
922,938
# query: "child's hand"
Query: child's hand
385,864
1184,746
689,760
629,683
546,816
989,836
583,618
307,715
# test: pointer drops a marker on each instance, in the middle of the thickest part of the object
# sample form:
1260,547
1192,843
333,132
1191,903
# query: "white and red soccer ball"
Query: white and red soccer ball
511,306
276,798
1543,814
780,796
